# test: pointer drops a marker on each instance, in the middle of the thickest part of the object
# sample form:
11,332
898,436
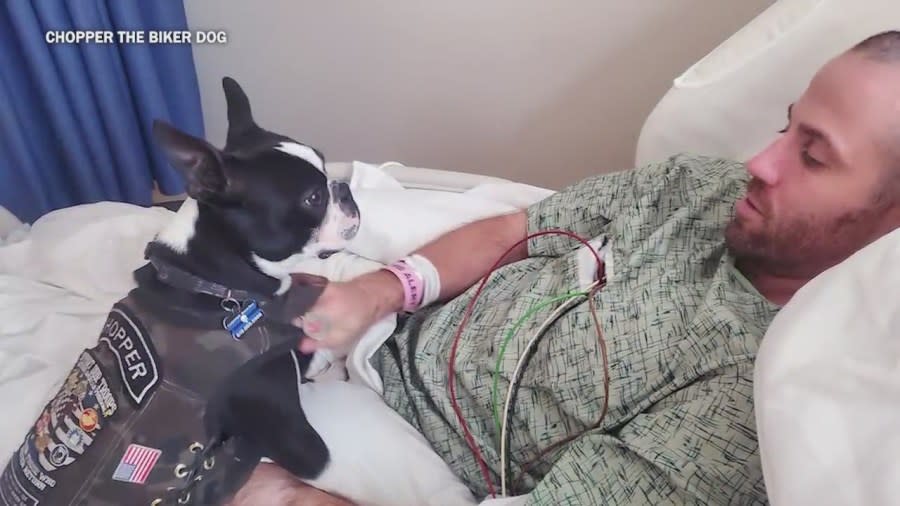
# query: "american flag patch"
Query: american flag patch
136,464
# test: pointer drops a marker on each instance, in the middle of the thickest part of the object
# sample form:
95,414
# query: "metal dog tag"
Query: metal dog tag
250,314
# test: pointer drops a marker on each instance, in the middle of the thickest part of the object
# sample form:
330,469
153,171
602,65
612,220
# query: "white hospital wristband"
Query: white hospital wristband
430,278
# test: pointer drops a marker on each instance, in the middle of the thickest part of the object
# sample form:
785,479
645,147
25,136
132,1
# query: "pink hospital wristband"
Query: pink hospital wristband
412,282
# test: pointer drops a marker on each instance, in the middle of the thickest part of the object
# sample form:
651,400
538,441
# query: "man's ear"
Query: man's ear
199,162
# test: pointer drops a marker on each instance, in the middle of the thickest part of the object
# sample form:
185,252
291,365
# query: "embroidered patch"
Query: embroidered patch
138,362
136,464
12,490
64,430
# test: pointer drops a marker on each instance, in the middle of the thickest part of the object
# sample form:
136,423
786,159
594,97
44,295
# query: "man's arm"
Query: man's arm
270,484
697,446
464,255
461,257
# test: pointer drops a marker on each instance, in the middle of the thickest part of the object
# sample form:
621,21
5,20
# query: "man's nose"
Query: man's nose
769,164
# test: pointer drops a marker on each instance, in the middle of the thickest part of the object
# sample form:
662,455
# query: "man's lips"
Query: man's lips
753,204
748,205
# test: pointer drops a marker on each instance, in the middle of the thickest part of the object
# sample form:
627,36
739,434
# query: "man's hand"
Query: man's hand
345,310
271,485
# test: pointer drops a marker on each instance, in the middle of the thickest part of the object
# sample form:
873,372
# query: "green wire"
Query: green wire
509,335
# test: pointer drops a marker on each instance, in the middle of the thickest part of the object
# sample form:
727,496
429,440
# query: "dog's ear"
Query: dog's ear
198,161
241,126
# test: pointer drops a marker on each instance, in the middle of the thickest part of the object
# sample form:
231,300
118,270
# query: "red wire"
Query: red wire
451,366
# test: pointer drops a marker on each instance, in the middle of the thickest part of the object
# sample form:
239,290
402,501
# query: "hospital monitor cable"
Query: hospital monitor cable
570,302
597,285
509,335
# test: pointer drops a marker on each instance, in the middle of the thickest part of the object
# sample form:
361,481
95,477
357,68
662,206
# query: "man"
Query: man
703,253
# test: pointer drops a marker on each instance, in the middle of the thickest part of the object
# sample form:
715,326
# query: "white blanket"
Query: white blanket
59,277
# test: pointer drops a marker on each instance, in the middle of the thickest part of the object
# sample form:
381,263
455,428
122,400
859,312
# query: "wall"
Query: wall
544,92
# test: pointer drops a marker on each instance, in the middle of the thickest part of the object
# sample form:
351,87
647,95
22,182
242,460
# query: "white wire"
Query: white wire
512,384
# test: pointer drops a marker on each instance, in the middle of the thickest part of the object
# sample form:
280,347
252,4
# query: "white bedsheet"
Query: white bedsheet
59,277
57,283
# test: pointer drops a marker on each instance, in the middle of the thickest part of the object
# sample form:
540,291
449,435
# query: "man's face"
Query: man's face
812,198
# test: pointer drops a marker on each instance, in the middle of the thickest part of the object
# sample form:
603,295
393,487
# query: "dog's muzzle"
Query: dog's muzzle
342,197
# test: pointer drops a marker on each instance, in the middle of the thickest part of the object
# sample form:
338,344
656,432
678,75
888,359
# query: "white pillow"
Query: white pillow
750,41
827,386
732,102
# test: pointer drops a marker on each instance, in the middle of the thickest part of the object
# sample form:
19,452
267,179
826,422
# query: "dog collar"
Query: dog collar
184,280
241,306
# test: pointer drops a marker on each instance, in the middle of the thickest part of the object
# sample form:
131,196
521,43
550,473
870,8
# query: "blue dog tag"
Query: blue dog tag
244,320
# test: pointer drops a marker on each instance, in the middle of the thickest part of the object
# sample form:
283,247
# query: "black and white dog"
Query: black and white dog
195,375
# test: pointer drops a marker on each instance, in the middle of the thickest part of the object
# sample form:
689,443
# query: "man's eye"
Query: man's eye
808,160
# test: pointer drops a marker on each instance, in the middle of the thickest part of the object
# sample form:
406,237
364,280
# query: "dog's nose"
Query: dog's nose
342,193
343,198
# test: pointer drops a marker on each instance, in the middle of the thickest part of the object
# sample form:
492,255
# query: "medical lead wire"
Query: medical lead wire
451,374
572,301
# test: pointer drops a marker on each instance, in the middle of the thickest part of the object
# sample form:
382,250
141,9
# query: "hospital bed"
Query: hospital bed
827,380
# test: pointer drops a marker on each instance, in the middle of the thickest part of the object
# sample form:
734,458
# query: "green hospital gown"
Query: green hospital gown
682,327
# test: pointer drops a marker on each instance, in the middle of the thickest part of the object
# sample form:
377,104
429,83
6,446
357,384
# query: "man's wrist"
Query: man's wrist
386,289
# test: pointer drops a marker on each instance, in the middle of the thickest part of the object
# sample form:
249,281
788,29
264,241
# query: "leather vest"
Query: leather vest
128,420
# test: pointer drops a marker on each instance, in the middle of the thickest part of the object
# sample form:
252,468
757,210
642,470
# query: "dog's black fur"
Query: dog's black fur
170,375
253,202
251,198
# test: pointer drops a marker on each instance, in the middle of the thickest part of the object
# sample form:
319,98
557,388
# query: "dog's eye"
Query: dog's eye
314,199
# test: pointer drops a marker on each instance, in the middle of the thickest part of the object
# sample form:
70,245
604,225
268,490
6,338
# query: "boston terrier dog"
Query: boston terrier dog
195,376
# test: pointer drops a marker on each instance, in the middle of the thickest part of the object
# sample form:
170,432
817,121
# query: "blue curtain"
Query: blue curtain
75,119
